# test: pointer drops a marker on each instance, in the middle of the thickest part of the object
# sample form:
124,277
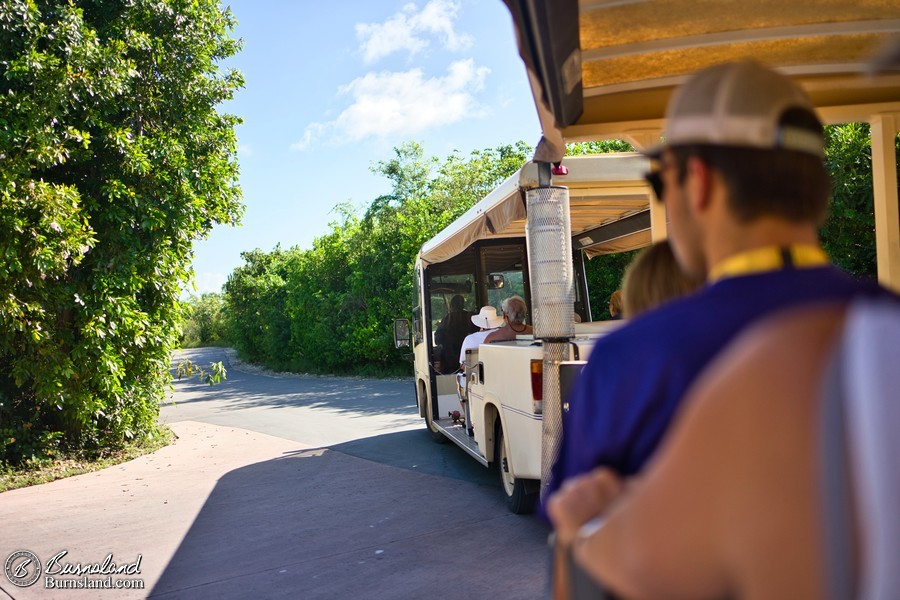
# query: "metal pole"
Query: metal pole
549,240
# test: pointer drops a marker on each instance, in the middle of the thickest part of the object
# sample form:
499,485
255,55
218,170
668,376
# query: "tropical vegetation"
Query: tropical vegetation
329,308
114,158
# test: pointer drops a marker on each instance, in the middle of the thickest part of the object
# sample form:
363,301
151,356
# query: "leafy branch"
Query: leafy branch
187,369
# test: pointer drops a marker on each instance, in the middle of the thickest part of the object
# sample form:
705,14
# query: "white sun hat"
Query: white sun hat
487,318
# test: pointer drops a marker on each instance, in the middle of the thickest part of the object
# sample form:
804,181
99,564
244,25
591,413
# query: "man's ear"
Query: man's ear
700,183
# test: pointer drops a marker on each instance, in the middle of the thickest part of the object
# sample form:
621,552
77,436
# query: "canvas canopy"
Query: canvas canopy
609,203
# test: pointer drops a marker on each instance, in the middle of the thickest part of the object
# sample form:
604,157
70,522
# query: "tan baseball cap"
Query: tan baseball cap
739,104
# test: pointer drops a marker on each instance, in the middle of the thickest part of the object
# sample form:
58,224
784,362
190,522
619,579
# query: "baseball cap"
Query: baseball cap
739,104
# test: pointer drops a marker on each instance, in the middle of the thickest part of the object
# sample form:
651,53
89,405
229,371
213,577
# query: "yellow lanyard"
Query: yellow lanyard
769,258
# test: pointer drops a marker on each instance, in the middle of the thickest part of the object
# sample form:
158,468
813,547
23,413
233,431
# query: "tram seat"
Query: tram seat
465,376
861,481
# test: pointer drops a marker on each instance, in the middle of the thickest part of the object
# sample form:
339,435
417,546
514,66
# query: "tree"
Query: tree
849,233
330,308
206,323
113,160
255,298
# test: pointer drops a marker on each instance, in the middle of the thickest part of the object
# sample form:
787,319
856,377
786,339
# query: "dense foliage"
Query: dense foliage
113,159
206,322
330,308
849,233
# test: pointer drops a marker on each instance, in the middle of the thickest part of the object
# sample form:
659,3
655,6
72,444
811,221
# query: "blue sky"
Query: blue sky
332,87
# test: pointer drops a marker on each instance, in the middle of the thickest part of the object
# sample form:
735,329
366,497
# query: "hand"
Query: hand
580,499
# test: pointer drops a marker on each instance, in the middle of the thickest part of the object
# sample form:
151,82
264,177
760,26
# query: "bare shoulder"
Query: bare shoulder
733,484
760,402
499,335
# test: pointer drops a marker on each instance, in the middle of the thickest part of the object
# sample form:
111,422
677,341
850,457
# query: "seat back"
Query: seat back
861,445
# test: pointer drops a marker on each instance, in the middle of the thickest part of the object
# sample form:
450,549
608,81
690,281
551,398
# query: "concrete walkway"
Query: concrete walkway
229,513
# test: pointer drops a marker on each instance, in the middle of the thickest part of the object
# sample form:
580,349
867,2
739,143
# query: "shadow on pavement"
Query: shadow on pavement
358,521
416,451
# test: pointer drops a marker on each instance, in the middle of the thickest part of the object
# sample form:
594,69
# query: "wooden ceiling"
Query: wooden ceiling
615,79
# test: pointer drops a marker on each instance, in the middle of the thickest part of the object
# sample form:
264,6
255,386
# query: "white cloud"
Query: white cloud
313,132
389,104
437,17
245,150
406,30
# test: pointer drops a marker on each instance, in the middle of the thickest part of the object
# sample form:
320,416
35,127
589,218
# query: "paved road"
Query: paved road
372,508
282,487
368,418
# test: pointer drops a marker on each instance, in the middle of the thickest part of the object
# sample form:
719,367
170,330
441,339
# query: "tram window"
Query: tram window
503,268
452,299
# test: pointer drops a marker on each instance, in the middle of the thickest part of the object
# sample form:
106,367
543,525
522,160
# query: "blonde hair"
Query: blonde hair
615,303
653,278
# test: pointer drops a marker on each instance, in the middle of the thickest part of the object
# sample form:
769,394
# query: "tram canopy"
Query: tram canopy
609,205
604,69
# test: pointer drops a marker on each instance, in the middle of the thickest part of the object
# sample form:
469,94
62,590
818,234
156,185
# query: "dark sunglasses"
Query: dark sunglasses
654,178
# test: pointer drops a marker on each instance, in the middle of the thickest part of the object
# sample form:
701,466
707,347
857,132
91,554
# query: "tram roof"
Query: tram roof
606,68
608,198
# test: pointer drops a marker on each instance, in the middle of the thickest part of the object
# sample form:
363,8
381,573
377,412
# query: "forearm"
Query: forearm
560,579
576,503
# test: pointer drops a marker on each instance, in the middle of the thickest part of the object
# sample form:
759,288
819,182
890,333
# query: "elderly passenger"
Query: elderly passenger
514,312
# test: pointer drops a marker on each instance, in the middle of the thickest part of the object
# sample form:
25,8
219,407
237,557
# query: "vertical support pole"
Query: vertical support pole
640,139
548,235
552,431
887,215
659,226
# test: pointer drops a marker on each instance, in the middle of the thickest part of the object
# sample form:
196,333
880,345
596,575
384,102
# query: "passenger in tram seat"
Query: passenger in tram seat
451,332
514,312
653,278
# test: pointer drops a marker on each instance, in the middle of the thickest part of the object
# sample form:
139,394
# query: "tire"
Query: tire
433,432
519,500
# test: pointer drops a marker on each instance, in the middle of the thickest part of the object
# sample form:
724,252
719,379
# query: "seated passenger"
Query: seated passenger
487,320
732,505
451,332
615,305
653,278
744,211
514,311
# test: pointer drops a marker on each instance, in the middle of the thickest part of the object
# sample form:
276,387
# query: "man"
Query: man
777,479
745,188
514,312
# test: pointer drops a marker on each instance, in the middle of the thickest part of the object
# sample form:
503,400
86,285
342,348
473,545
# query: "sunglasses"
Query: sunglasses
654,178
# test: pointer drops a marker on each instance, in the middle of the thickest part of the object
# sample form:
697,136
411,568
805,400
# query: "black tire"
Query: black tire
436,435
519,500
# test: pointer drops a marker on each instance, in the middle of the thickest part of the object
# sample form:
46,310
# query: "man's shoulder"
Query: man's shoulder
478,336
500,334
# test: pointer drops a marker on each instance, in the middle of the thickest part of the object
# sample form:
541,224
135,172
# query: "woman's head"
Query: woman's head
615,304
654,278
